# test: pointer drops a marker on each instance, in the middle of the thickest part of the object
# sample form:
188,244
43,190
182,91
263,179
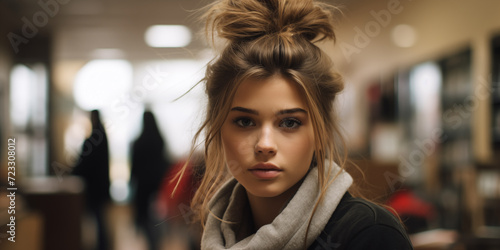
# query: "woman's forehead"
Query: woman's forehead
272,90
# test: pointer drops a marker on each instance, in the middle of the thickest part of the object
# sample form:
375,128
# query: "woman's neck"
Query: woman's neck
265,209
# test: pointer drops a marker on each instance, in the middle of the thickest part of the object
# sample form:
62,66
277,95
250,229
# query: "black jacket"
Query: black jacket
359,224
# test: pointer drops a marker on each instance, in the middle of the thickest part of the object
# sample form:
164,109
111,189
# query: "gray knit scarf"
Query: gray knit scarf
288,229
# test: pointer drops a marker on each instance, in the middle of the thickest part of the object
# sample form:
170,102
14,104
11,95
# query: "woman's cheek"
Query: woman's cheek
245,147
238,150
234,168
301,148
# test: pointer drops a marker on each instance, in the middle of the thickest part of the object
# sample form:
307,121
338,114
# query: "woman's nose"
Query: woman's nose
266,144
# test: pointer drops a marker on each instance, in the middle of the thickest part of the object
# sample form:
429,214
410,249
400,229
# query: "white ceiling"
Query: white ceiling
79,27
84,26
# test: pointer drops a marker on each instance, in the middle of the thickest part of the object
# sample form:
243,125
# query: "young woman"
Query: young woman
274,176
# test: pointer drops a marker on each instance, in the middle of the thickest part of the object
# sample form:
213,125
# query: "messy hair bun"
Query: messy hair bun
243,20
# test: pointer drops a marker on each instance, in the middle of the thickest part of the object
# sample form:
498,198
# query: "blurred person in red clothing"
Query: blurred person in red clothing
174,198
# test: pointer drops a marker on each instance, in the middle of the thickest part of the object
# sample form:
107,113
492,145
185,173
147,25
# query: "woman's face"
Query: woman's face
268,137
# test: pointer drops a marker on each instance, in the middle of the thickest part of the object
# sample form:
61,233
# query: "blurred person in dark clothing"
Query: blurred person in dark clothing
93,168
149,164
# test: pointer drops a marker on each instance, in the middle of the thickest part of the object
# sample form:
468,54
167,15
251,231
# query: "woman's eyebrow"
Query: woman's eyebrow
245,110
291,111
281,112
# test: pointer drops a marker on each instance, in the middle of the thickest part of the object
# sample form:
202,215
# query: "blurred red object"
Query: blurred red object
176,205
405,202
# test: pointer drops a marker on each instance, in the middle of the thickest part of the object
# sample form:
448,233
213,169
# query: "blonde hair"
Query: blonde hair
265,38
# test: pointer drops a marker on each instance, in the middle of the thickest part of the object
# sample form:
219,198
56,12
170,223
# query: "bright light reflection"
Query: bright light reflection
101,82
21,88
119,190
167,36
425,84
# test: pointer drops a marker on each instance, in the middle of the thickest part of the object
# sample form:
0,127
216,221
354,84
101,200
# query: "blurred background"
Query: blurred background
420,110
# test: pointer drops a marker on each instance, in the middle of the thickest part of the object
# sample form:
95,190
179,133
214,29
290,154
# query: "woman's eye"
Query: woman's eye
244,122
290,123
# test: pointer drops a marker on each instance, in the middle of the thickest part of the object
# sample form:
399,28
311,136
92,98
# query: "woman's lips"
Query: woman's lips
265,170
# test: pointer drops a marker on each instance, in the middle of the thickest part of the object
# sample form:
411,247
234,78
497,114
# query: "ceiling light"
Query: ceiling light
168,36
404,36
